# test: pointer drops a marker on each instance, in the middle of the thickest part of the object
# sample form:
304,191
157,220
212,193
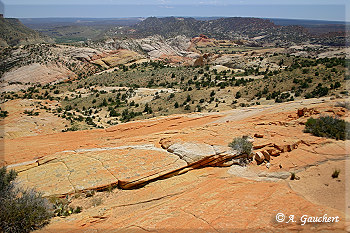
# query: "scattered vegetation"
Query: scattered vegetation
327,126
110,98
31,113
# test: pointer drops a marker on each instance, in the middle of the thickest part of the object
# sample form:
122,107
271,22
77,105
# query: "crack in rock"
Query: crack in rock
142,228
140,147
150,200
202,219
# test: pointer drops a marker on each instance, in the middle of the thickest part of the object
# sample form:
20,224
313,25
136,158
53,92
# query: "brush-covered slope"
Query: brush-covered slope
13,32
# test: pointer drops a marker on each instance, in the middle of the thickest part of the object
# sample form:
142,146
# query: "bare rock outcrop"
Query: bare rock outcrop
37,73
154,46
135,154
192,152
306,112
127,167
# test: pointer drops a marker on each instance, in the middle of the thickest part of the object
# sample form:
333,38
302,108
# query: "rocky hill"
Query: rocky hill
223,27
263,31
13,32
168,27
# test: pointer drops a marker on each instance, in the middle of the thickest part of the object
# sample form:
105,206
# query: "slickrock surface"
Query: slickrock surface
70,172
18,124
203,200
42,74
118,57
174,174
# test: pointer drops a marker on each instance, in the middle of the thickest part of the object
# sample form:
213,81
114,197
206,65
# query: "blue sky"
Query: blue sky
295,9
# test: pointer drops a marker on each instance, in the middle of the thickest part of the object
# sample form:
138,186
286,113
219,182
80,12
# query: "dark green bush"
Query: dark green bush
238,95
327,126
335,173
20,210
292,176
3,114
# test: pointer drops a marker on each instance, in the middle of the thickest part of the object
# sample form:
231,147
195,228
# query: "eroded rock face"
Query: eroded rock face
83,54
118,57
155,46
37,73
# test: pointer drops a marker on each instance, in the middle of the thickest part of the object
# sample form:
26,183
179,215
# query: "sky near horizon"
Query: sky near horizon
336,10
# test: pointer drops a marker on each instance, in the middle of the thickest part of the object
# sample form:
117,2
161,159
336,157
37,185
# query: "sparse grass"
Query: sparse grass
327,126
96,201
335,173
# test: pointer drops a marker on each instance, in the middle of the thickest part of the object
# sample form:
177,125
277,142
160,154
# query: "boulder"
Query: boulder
301,112
248,138
273,152
284,148
259,157
266,155
198,155
191,152
165,143
224,150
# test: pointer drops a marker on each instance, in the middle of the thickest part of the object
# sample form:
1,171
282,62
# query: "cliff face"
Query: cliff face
13,32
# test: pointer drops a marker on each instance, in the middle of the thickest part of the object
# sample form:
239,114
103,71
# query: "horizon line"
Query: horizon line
176,16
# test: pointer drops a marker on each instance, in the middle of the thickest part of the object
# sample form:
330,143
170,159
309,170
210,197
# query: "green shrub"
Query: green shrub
20,210
238,95
335,173
292,176
3,114
62,208
241,145
327,126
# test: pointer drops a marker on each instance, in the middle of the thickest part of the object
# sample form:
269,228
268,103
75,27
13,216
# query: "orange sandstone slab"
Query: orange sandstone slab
70,172
205,200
